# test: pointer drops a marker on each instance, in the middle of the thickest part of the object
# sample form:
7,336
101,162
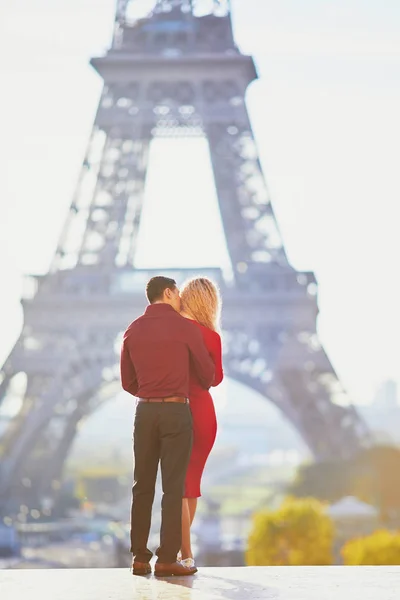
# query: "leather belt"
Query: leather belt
179,399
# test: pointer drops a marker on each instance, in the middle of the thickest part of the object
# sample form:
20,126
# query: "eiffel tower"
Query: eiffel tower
176,72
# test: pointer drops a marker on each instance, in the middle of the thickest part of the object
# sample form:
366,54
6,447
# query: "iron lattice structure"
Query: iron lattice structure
171,73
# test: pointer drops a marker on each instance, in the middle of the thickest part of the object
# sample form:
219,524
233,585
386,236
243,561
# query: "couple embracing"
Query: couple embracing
170,357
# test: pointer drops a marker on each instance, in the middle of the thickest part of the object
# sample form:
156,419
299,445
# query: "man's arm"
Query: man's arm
202,361
128,374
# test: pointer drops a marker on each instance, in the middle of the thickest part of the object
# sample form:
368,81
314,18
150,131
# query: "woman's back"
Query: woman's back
203,415
212,341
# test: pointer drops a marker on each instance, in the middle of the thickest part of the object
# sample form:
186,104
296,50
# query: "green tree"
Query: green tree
298,533
328,481
377,479
373,476
380,548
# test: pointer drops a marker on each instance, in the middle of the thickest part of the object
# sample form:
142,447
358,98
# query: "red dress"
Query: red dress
204,418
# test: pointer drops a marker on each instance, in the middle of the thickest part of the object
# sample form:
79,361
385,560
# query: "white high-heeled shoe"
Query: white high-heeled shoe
188,562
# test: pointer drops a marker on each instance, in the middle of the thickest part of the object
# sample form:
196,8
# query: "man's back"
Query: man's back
157,351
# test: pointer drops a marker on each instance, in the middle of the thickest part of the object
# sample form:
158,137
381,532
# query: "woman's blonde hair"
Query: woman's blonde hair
201,299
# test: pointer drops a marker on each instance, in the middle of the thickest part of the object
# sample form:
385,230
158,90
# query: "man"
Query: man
157,351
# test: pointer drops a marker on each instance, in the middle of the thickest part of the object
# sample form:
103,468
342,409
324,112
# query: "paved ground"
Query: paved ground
251,583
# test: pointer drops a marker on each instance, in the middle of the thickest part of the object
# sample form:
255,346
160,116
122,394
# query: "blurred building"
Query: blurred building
386,397
383,415
352,519
101,485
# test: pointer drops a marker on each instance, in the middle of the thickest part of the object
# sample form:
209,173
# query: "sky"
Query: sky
325,113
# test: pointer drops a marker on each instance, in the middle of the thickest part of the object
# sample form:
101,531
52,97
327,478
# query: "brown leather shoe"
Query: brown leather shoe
139,568
173,570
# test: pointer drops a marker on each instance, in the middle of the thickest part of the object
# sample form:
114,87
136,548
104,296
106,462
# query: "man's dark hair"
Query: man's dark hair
156,286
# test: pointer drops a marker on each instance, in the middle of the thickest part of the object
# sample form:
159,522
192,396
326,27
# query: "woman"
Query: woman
201,303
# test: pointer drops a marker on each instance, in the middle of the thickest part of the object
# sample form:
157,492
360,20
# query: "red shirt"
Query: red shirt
158,351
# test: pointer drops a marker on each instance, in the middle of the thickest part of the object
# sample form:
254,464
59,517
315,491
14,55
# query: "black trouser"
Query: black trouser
162,432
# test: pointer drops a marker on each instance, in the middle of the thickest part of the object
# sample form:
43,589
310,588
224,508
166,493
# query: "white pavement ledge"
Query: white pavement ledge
239,583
